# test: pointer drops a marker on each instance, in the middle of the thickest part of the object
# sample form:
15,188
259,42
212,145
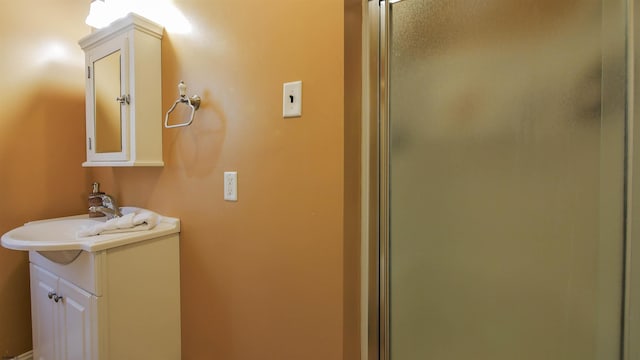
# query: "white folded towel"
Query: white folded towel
138,220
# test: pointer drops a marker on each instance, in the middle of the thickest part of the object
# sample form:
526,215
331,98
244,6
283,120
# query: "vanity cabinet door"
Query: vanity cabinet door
77,318
64,318
43,313
108,102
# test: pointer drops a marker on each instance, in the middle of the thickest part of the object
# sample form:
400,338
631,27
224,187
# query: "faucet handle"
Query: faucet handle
110,202
107,200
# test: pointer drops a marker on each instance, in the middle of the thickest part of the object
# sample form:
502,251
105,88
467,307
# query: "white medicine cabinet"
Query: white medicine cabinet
123,93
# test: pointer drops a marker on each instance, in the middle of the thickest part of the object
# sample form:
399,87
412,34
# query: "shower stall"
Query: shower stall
501,181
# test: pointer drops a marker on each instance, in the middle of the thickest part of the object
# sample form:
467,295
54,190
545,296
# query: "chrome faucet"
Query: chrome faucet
109,206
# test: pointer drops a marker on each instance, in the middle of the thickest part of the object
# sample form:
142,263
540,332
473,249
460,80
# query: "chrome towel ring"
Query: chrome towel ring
193,102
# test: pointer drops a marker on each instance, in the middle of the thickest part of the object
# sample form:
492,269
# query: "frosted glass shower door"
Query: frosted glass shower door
506,180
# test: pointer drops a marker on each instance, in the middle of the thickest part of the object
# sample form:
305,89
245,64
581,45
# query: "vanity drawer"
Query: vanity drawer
84,272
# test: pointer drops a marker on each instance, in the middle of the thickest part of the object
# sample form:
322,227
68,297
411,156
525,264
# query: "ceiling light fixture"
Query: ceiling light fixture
98,15
104,12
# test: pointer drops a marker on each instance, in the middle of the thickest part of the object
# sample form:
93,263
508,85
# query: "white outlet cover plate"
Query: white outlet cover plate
231,185
292,99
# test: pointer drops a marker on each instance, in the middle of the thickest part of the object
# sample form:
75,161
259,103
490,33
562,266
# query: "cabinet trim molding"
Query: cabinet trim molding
130,22
137,43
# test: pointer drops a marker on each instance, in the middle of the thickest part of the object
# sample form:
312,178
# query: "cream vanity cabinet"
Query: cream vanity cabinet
123,94
119,303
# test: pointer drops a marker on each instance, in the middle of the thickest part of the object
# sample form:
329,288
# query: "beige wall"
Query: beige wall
263,278
41,140
352,169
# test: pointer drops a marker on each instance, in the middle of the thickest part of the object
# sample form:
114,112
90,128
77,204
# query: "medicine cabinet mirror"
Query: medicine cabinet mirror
123,94
107,112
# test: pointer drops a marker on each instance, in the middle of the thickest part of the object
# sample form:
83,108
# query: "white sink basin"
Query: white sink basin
60,234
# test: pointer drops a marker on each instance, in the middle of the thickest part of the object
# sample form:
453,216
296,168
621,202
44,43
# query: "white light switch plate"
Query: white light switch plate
292,99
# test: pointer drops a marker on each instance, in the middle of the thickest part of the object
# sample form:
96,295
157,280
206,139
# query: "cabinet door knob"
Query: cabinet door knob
124,99
54,296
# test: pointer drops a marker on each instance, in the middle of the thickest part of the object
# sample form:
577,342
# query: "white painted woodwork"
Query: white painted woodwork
77,315
43,314
62,330
139,42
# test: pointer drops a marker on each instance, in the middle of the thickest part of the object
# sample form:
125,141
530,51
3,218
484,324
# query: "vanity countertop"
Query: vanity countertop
61,234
